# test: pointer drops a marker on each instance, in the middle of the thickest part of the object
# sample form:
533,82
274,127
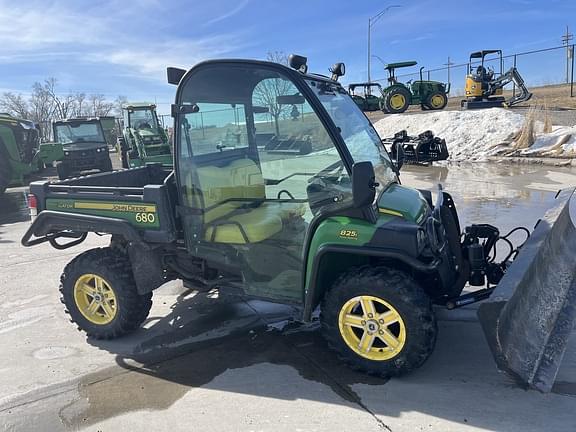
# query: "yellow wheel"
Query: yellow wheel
397,101
372,328
95,299
379,320
101,296
436,101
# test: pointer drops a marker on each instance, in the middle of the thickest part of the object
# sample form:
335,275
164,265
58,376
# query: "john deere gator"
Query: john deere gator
332,230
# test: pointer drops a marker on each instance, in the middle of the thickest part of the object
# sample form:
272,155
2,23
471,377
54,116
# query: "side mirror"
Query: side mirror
174,75
398,155
363,184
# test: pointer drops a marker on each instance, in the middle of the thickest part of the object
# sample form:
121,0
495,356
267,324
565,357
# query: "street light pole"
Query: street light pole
371,22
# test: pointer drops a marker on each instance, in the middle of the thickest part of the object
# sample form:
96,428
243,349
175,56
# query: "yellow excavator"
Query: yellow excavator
484,86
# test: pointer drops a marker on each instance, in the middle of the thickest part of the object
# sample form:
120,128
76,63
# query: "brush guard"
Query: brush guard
531,313
422,149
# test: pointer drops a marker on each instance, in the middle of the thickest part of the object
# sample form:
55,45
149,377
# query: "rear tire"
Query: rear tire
100,294
394,296
5,171
62,171
397,100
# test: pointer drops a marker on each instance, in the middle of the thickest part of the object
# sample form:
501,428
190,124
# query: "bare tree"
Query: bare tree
267,91
14,104
99,106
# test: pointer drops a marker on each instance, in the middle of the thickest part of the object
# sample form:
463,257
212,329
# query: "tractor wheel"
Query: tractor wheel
436,101
397,100
62,171
100,294
379,320
5,172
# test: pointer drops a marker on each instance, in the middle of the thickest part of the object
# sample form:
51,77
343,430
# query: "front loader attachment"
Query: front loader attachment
532,312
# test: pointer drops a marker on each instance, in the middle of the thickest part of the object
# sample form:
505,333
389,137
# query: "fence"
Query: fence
541,67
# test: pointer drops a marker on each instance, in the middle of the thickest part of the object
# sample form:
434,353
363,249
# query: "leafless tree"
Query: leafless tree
267,91
14,104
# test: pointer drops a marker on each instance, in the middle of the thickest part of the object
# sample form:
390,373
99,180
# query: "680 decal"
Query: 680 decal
148,218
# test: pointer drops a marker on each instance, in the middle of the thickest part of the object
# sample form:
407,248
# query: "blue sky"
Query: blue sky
123,47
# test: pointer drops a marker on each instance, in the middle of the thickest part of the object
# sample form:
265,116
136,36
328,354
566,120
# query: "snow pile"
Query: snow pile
560,142
469,135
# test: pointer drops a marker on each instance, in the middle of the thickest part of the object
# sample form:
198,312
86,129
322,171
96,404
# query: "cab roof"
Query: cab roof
483,53
391,66
136,105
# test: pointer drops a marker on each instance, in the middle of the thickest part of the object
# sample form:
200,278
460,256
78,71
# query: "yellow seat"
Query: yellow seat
225,191
250,227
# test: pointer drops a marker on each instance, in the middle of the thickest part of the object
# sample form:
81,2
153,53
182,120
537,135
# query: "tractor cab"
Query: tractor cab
143,139
369,99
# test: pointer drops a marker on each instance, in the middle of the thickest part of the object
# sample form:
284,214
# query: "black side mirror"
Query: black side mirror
363,184
398,155
174,75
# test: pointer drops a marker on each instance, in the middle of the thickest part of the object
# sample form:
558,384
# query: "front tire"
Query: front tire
62,171
436,101
5,171
100,294
379,321
106,165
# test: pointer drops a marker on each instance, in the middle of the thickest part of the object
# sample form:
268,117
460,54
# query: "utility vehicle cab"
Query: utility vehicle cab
369,99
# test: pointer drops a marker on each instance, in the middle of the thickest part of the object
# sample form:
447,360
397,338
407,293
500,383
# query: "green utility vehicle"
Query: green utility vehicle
397,97
84,144
21,153
370,98
331,229
143,139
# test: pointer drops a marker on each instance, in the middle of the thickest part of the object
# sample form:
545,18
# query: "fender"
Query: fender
50,225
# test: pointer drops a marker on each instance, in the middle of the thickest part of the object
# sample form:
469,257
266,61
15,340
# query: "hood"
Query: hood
397,200
84,145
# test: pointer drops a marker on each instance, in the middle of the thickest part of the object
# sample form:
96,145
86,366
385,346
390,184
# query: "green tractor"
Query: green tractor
370,99
21,153
143,139
397,97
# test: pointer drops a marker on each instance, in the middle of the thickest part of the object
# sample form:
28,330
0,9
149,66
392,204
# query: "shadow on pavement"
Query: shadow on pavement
204,337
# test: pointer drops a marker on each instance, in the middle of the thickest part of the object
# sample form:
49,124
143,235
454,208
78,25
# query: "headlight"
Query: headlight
98,150
66,153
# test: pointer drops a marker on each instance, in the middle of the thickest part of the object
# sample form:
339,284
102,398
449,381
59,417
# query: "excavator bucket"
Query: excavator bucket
532,312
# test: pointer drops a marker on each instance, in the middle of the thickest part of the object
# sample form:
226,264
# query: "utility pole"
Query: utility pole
566,41
448,65
371,22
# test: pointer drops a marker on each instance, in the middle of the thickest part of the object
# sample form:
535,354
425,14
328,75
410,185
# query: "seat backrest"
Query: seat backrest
223,187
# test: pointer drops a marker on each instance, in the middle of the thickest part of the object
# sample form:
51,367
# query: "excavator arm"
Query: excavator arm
511,76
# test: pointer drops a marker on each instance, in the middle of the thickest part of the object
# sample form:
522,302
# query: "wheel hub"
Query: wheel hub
372,328
95,299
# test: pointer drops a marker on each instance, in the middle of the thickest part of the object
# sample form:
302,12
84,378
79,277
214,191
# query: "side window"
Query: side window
214,128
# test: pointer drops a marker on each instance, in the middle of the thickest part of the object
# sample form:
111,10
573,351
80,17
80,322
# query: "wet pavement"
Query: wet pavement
208,363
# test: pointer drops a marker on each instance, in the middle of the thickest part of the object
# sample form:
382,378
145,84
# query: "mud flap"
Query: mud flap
531,314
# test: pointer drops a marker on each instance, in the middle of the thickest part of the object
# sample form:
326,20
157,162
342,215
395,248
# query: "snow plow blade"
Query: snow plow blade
532,312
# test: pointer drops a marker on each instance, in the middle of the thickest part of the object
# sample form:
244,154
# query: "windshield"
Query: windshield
78,133
143,119
359,135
